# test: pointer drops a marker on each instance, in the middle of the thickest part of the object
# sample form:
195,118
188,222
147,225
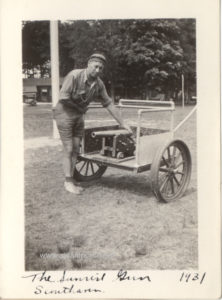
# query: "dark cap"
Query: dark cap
99,57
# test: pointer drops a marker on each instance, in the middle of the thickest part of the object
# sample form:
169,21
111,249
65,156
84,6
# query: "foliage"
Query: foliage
36,46
143,55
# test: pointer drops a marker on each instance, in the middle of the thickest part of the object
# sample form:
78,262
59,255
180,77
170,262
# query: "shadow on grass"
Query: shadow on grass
132,184
190,190
135,184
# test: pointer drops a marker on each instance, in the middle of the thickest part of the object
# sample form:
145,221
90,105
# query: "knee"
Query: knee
75,150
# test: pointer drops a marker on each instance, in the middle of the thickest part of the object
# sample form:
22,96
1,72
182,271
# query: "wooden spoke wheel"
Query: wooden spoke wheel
87,170
170,171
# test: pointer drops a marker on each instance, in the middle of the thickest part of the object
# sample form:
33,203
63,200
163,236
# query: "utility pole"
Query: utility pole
54,47
183,91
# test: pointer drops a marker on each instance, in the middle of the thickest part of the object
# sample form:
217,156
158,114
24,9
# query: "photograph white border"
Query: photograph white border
165,284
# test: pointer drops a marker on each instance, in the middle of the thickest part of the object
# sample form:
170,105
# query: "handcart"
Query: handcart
154,149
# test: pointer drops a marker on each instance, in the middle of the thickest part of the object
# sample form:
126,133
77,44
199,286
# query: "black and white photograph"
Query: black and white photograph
111,173
117,188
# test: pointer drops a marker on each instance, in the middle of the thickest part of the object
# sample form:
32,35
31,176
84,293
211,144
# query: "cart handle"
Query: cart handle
185,119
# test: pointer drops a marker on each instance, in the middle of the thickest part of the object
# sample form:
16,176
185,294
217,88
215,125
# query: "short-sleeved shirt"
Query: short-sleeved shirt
76,88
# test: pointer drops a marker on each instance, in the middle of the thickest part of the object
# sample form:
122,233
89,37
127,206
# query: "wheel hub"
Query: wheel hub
172,170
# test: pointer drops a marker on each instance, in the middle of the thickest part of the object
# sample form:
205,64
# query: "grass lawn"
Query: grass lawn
117,222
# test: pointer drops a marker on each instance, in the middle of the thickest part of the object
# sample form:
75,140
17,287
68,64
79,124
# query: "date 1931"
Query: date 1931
188,277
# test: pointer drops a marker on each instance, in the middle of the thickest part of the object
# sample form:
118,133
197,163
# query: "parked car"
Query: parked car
29,98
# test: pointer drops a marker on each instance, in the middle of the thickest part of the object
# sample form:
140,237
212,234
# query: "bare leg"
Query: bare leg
71,150
76,147
67,159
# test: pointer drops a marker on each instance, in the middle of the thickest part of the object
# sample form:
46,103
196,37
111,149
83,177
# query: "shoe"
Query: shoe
70,187
76,183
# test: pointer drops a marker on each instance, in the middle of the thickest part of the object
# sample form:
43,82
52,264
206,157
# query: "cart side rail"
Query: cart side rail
146,104
140,104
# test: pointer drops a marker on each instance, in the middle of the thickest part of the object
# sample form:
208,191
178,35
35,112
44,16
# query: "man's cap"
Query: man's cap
99,57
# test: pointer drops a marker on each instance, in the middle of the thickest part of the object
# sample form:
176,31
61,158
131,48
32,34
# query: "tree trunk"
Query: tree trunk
148,93
126,93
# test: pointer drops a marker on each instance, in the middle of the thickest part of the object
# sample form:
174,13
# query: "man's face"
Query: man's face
95,68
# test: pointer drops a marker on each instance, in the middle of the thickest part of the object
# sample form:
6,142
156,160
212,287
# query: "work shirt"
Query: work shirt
77,90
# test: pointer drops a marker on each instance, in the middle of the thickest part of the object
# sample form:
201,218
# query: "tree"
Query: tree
188,43
142,54
155,54
77,42
36,47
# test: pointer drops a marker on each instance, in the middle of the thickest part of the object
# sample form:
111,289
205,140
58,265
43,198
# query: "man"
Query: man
79,88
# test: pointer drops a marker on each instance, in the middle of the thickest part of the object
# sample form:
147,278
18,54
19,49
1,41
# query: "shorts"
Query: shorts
70,122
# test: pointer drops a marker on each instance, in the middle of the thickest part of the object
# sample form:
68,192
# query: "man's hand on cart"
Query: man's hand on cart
117,116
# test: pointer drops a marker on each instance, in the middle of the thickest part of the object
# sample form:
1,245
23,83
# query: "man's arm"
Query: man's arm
116,115
108,104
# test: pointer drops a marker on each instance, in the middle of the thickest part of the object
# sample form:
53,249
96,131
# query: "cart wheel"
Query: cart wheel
170,171
87,170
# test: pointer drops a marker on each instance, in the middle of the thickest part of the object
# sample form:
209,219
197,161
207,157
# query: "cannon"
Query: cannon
116,143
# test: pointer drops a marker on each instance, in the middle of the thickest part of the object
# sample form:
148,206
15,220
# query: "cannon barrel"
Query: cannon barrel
110,133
